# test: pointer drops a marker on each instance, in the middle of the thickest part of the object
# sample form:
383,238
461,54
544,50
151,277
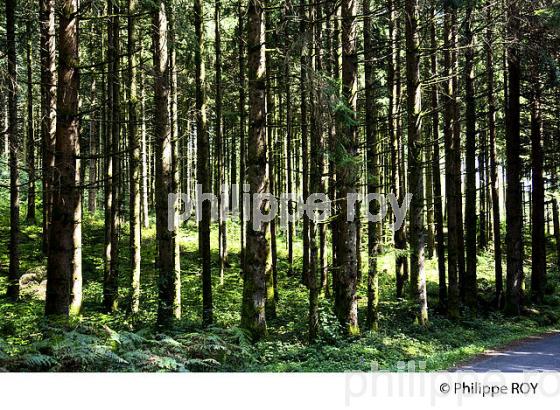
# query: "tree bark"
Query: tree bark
64,266
203,165
169,284
470,147
373,177
393,84
436,170
491,120
48,108
134,142
538,239
303,95
220,174
289,176
111,282
415,174
450,169
13,142
253,317
242,125
514,210
271,271
30,129
346,272
514,198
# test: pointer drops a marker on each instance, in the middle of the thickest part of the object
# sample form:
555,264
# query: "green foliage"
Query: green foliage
119,343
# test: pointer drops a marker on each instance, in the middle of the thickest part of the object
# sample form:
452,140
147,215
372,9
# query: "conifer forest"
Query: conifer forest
276,185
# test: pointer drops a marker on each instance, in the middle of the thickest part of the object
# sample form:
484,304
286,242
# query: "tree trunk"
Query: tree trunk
514,210
242,142
220,175
303,95
556,221
415,174
450,169
436,170
316,168
13,142
48,108
135,142
254,289
144,152
538,240
203,166
346,273
93,130
514,198
271,271
470,146
30,130
111,283
64,266
491,120
109,166
393,84
373,177
169,284
461,268
289,177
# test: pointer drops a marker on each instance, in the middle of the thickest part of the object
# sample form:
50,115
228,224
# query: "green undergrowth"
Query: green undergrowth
95,341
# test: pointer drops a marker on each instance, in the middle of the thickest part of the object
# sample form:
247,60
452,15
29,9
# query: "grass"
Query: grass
101,342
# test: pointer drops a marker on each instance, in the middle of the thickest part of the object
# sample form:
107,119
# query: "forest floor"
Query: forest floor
100,342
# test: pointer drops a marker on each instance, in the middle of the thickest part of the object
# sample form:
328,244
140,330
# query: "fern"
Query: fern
39,362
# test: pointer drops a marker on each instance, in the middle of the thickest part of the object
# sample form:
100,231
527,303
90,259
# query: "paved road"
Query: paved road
538,355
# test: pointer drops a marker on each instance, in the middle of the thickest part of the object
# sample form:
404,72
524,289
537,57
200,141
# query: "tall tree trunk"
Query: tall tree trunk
289,176
109,165
5,148
48,108
373,174
450,169
174,126
271,271
144,149
111,283
393,80
219,139
64,266
242,121
458,172
13,141
483,200
203,165
169,284
135,142
491,125
429,189
415,175
436,170
254,290
470,204
93,129
556,222
303,94
346,273
316,165
514,198
538,240
30,128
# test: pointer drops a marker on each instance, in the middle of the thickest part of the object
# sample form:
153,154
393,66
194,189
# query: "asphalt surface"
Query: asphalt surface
539,355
